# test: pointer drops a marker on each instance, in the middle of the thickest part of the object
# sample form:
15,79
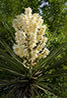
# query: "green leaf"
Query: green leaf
4,67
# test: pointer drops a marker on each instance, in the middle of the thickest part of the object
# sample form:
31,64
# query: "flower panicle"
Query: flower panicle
29,36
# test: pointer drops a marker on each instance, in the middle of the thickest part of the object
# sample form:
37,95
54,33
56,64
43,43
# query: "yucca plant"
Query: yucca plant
28,71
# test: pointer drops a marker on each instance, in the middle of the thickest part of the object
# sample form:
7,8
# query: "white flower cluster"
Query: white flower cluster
29,36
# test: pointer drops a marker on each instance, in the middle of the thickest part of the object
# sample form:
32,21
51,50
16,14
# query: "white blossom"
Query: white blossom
30,37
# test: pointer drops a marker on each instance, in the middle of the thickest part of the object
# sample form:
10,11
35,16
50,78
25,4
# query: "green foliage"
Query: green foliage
45,77
49,77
